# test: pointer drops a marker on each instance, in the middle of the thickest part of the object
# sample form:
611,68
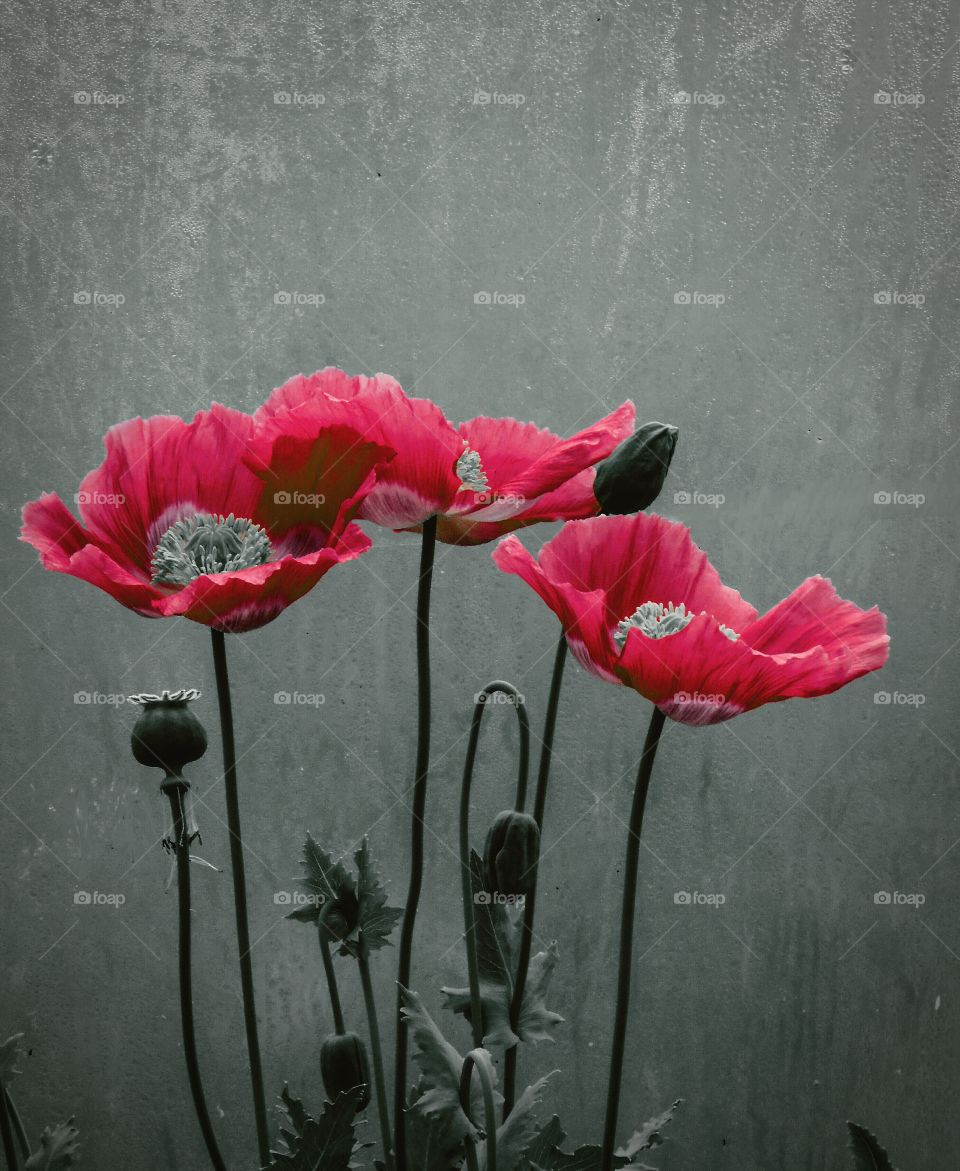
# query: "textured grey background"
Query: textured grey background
801,1002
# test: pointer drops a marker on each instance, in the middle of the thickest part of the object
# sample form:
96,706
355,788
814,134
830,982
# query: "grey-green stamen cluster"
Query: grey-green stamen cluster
471,472
207,543
653,619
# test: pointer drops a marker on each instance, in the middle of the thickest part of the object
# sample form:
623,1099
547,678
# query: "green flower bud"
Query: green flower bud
631,477
167,734
510,853
344,1066
340,919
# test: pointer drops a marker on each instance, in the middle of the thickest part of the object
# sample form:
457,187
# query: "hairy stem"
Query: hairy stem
240,893
627,914
18,1126
427,549
338,1025
6,1131
376,1051
175,789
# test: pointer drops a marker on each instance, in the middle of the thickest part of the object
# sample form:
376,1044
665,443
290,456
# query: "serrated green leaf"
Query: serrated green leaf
377,920
498,932
520,1129
432,1143
322,1144
868,1155
328,881
441,1066
59,1146
649,1135
10,1054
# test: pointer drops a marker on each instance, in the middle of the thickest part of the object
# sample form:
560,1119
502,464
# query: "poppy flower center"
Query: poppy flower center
471,472
656,620
207,543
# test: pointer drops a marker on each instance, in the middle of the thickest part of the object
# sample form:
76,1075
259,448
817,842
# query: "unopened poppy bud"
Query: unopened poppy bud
344,1066
631,477
167,735
510,853
340,917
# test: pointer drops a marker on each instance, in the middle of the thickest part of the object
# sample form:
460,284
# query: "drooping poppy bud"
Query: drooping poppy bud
631,477
167,735
510,853
344,1066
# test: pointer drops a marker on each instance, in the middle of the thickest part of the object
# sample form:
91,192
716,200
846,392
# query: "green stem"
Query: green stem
466,884
479,1060
427,550
6,1130
627,914
240,893
530,903
338,1025
377,1052
18,1126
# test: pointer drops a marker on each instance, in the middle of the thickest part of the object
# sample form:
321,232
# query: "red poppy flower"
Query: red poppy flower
197,519
642,606
483,479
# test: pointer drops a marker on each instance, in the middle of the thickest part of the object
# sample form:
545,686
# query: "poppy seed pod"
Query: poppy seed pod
344,1066
510,853
630,479
167,735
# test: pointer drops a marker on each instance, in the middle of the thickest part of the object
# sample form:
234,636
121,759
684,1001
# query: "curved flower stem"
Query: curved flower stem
530,903
469,922
363,960
176,788
427,549
626,936
18,1126
240,892
6,1130
338,1025
479,1060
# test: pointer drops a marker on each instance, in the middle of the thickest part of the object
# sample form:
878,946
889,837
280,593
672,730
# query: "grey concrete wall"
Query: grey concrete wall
785,185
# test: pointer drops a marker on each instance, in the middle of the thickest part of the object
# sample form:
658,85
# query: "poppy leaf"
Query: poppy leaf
649,1135
58,1148
868,1155
433,1144
318,1144
376,920
327,881
519,1130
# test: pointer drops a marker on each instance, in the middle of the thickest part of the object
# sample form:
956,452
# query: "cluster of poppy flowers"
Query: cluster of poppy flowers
230,518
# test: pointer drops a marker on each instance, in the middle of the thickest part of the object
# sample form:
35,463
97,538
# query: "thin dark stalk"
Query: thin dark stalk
478,1059
6,1130
427,549
627,915
338,1025
18,1126
240,893
377,1053
175,790
530,903
469,920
